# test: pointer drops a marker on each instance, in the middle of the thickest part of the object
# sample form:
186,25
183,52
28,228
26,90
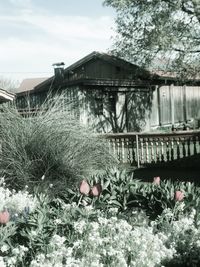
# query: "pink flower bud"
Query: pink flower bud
4,217
156,180
179,196
96,190
84,187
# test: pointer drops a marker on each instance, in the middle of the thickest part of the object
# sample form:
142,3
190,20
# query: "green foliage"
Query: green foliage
52,144
116,186
57,233
145,35
122,191
155,198
184,233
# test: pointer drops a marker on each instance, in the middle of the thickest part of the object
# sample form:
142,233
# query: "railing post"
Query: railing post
137,151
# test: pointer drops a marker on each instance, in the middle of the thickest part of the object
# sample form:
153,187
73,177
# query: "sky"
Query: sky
37,33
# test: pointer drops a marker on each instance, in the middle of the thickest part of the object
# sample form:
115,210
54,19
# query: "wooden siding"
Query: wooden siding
193,102
174,105
99,69
126,111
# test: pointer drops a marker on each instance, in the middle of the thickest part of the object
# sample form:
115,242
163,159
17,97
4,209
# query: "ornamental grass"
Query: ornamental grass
51,144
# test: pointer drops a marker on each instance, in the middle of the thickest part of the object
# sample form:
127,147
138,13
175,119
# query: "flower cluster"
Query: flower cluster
94,191
178,195
14,203
106,241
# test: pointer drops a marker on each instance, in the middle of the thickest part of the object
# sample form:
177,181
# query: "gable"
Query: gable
95,66
100,68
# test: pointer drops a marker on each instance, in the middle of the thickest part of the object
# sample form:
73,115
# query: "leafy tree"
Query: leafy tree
161,34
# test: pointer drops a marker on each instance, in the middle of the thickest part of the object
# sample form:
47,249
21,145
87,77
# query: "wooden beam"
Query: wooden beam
171,93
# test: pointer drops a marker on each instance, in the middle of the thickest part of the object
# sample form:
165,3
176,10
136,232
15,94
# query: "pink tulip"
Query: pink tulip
84,187
179,196
156,180
4,217
96,190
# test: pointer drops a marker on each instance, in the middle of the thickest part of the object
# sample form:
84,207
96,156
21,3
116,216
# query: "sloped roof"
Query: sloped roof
104,56
30,83
6,96
36,84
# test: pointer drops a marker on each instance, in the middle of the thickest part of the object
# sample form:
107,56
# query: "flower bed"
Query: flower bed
94,231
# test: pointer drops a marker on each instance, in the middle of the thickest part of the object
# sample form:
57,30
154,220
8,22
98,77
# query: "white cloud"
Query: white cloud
64,38
21,3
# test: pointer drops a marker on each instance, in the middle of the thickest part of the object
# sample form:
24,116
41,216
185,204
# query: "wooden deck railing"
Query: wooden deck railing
145,148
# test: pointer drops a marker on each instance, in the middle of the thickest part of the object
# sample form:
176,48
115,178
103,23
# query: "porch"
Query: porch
145,149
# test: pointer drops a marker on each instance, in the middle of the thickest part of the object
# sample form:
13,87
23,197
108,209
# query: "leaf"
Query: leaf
106,184
115,202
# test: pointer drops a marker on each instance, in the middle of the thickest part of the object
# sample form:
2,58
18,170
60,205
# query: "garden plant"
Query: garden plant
64,203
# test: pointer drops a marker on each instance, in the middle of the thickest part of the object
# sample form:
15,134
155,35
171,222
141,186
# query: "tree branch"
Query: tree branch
185,51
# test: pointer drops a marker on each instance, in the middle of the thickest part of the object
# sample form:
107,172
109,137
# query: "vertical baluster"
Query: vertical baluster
167,151
128,151
122,149
162,151
133,151
184,149
142,150
119,150
172,149
157,152
125,151
188,146
110,146
116,148
178,149
152,152
147,150
195,146
114,141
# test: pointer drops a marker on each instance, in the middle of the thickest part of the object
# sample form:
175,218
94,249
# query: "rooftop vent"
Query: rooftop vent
59,70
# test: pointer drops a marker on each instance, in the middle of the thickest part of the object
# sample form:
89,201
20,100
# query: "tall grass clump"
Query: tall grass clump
52,144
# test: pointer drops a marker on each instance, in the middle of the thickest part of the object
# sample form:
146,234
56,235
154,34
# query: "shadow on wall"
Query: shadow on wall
116,111
183,170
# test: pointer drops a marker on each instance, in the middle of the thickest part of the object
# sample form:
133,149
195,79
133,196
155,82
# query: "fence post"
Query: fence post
137,151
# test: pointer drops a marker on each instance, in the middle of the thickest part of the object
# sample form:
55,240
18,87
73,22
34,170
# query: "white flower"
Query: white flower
79,226
57,221
33,233
2,263
4,248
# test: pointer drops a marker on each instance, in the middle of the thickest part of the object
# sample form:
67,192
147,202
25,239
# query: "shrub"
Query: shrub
52,144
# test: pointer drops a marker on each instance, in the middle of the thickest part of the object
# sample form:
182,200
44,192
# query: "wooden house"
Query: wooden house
114,95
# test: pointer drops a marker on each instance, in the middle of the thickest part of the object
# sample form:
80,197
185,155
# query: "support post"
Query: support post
171,90
184,104
159,108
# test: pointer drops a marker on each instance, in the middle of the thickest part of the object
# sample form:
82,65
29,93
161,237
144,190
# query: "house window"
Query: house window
98,105
112,98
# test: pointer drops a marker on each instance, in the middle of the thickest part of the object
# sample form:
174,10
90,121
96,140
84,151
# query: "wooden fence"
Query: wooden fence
141,149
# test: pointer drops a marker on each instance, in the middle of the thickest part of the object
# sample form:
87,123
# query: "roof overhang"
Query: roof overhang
6,96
